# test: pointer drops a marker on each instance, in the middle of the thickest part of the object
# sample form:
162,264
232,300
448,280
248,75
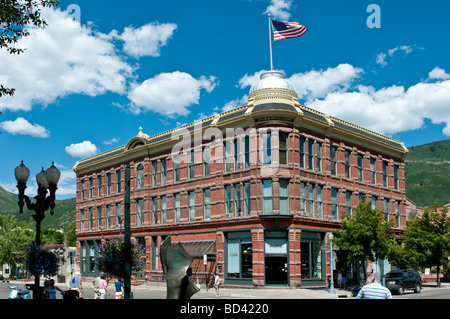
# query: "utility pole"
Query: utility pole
127,237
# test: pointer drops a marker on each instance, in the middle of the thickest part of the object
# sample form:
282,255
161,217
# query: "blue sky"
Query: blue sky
85,86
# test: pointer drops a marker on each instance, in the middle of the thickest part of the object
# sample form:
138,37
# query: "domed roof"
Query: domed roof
273,79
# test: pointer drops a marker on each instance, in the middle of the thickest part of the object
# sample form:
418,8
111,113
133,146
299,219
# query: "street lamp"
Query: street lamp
46,180
331,290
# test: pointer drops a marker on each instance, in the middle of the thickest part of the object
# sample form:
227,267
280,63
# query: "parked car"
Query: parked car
400,280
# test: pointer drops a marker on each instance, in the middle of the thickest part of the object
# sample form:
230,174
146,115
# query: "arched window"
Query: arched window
140,177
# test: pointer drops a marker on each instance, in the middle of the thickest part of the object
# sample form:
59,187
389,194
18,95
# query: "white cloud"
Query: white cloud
392,109
279,9
111,141
146,40
317,84
23,127
235,103
83,149
62,59
169,93
382,57
438,74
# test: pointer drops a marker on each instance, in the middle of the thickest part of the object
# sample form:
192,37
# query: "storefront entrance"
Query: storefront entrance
276,270
276,258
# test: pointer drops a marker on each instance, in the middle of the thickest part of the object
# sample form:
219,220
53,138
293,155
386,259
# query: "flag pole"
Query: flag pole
270,43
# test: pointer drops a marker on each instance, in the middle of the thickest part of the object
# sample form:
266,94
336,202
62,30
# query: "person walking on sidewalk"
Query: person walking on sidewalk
76,284
102,286
217,283
119,289
374,290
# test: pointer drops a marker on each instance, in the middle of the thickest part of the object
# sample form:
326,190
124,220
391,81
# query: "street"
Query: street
159,292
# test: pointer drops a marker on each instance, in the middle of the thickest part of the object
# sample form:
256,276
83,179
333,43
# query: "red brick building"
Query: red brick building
251,192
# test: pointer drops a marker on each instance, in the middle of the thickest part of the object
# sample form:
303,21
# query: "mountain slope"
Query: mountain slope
428,173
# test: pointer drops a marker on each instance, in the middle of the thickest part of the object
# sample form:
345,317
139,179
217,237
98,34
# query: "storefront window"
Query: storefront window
311,256
239,262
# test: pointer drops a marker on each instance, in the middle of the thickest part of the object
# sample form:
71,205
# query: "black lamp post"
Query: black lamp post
46,180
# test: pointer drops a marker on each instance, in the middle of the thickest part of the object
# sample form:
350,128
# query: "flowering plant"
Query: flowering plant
39,260
112,257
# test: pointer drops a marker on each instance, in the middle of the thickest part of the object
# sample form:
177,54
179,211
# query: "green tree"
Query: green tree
365,235
16,16
427,240
13,240
69,232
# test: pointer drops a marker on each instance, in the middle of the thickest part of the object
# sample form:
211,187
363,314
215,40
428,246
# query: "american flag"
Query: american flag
287,30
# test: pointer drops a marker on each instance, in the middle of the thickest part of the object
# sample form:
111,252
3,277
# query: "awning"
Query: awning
198,248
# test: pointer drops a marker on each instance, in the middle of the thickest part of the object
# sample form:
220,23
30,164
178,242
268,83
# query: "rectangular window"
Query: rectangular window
319,201
108,186
360,168
247,207
397,213
302,152
154,173
373,171
82,220
154,210
91,218
228,156
140,212
348,203
140,177
266,148
118,215
284,196
207,203
91,187
267,197
333,161
396,179
191,164
334,203
283,148
385,174
176,168
311,200
191,205
386,209
303,198
319,157
155,253
99,217
228,203
163,209
246,152
82,189
347,163
237,153
310,155
375,202
177,207
163,171
99,186
206,161
108,216
119,181
237,199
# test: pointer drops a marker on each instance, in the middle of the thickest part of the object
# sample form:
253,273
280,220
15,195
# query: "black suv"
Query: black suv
402,279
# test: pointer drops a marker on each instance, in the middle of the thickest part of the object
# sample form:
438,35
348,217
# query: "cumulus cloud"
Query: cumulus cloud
146,40
169,93
63,58
438,74
23,127
279,9
83,149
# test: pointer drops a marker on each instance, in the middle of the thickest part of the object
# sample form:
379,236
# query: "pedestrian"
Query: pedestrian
217,283
119,289
51,289
344,279
339,279
103,286
374,290
76,284
95,284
